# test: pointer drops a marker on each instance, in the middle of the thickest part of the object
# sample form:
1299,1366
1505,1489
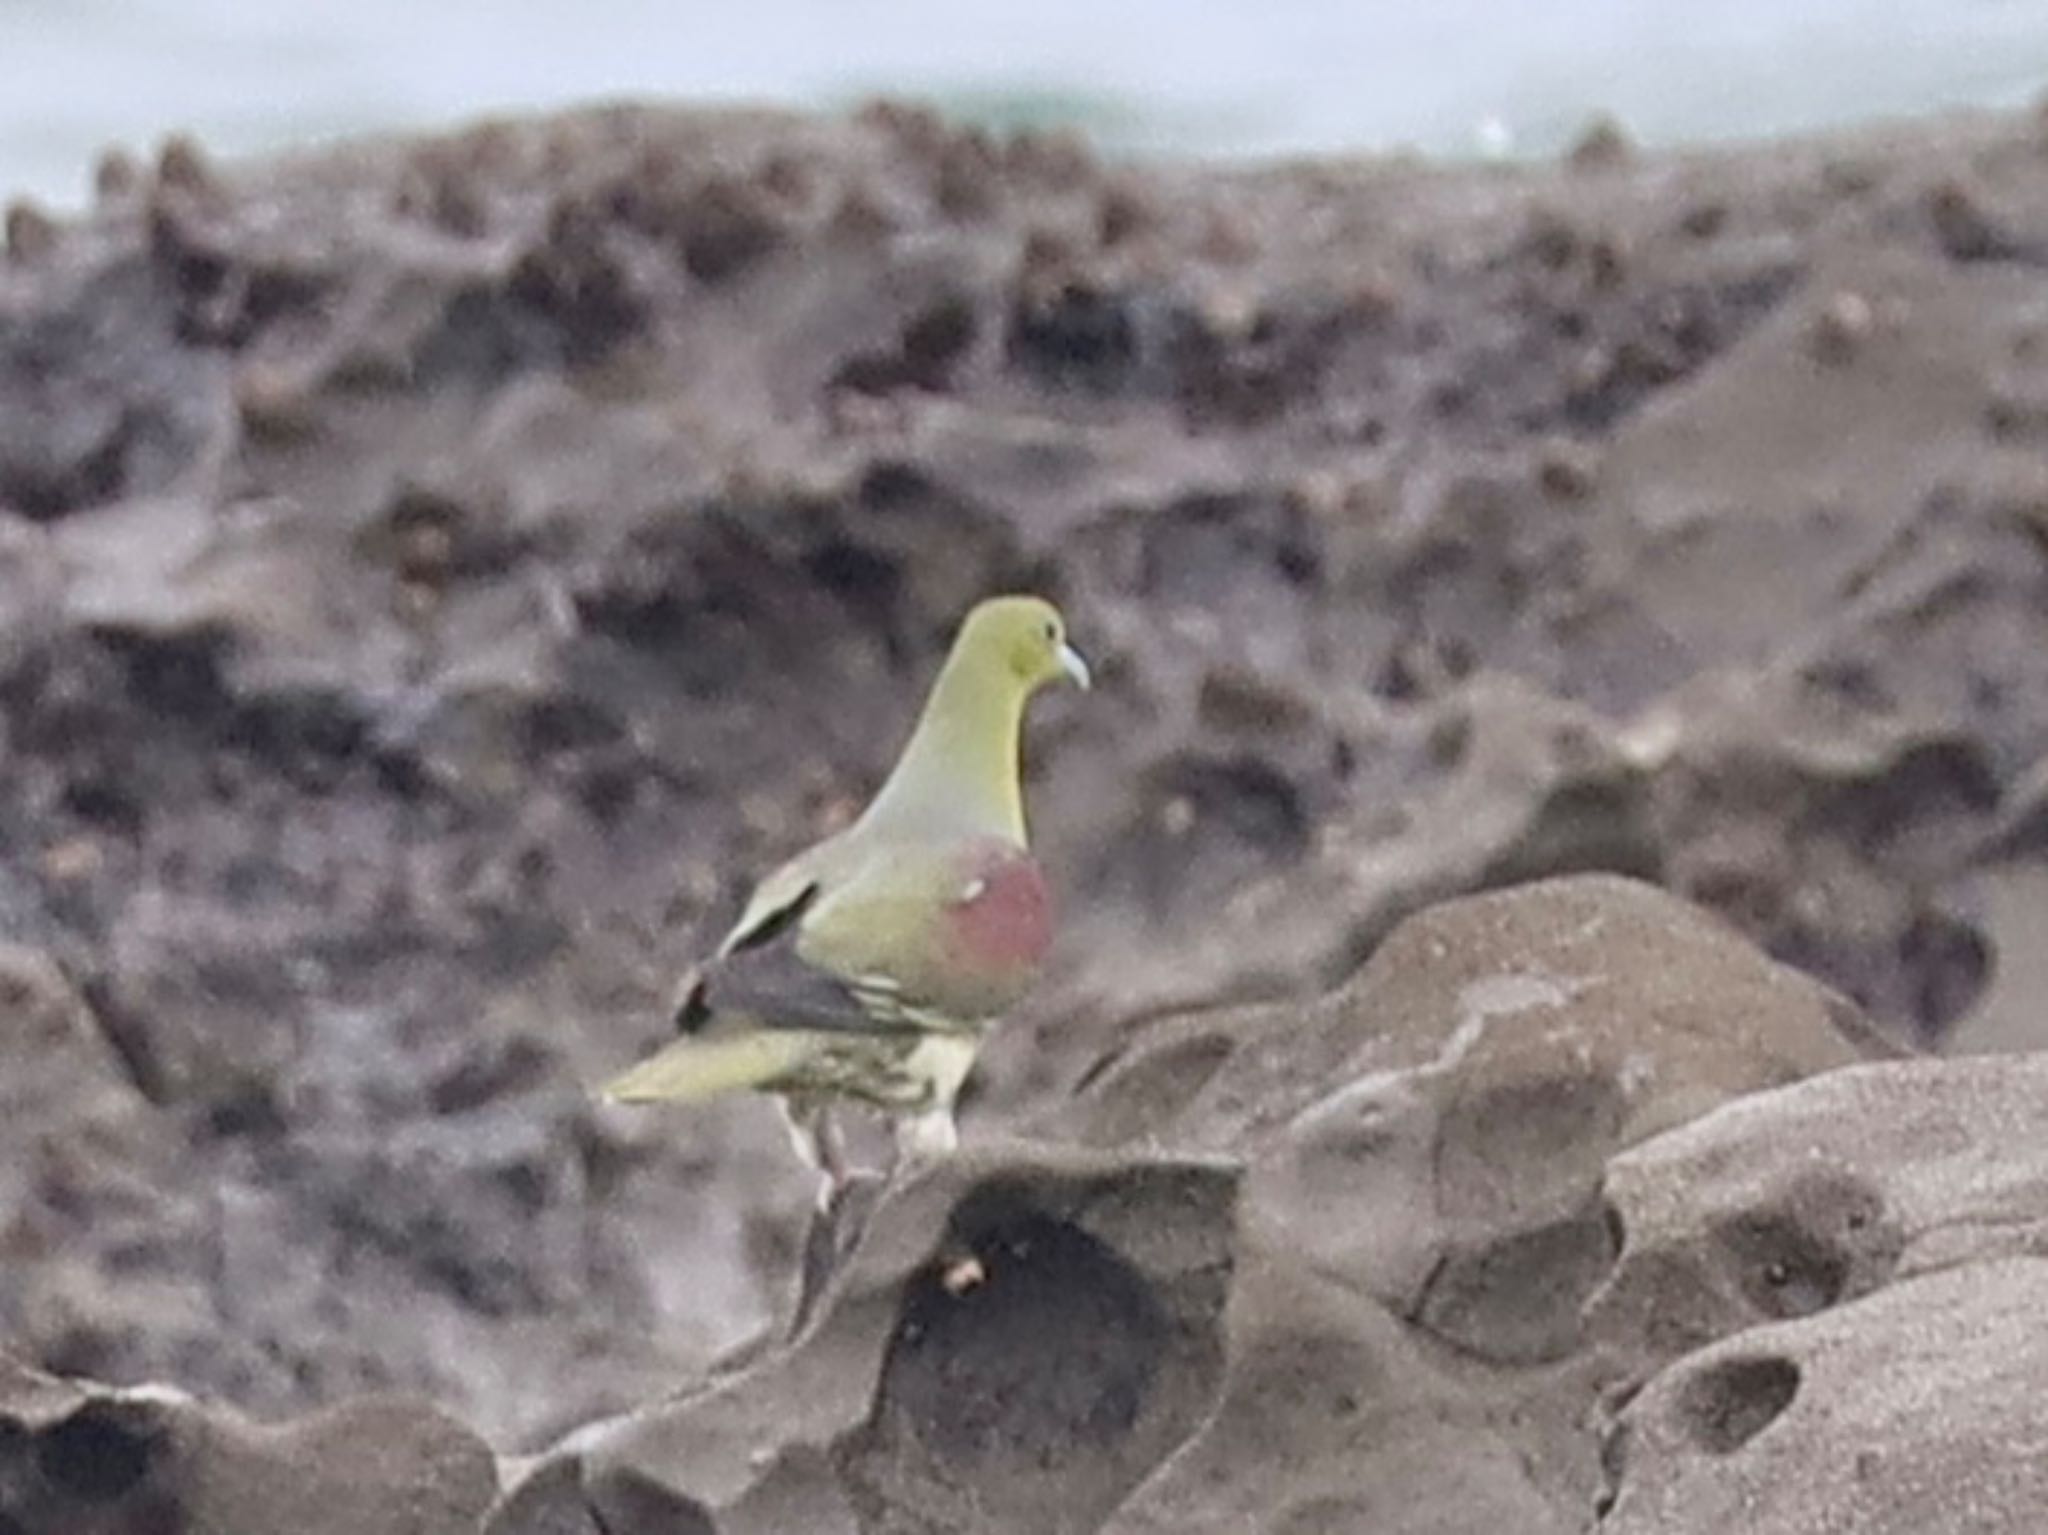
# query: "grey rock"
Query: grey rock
1028,1392
1917,1408
1384,1325
436,576
92,1460
1792,1202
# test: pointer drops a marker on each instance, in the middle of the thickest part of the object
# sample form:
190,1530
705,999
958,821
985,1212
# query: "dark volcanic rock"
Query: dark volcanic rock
437,577
103,1462
1916,1409
1844,1280
1903,1169
1384,1325
1589,1005
1029,1392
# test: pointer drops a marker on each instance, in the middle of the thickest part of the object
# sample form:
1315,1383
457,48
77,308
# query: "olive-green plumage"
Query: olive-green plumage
867,966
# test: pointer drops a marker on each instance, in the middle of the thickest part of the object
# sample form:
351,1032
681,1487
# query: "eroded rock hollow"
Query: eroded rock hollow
1562,815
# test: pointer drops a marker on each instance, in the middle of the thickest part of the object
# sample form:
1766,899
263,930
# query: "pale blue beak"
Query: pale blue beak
1075,668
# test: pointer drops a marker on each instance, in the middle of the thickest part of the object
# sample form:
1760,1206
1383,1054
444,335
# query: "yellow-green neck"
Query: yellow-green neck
959,772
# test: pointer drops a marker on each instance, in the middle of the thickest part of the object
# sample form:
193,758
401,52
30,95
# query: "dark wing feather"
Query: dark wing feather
774,924
764,983
692,1011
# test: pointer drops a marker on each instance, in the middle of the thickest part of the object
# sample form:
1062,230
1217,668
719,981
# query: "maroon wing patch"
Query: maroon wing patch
1002,920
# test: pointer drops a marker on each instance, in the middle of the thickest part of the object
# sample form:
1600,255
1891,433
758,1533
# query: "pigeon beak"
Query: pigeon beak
1075,668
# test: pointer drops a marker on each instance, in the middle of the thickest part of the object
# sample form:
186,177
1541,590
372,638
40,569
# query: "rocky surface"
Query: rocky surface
1868,1249
1386,1315
1900,1172
96,1461
1915,1410
435,577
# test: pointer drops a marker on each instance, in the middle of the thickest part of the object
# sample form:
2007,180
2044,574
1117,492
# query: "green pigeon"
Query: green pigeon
870,966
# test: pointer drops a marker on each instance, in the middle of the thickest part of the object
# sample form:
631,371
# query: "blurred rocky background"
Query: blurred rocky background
436,576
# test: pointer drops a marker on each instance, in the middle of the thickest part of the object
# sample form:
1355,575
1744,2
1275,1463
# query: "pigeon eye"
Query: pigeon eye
1052,630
